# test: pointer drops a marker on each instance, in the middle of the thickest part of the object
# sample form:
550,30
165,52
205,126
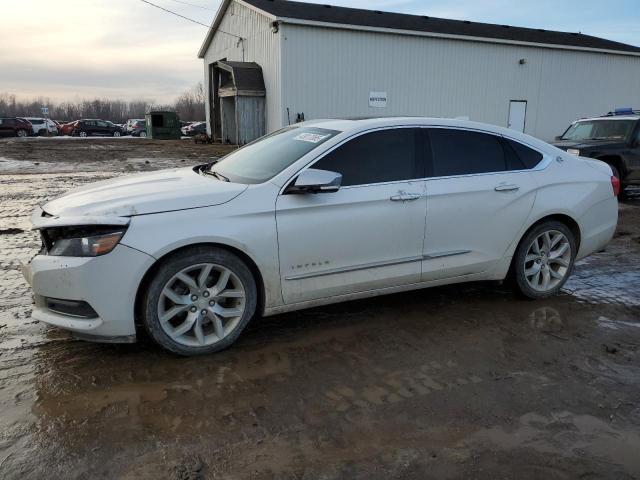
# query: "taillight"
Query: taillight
615,184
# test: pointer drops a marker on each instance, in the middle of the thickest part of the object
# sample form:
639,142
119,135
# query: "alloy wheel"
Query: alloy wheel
201,305
22,133
547,261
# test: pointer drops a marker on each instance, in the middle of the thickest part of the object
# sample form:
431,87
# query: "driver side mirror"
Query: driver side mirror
315,181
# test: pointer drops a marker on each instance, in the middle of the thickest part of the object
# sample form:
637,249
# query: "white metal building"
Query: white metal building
322,61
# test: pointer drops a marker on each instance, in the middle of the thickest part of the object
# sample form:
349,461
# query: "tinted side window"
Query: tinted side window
460,152
528,156
376,157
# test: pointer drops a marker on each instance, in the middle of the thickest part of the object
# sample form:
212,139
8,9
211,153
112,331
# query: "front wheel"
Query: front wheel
116,134
544,259
83,134
199,301
21,133
143,134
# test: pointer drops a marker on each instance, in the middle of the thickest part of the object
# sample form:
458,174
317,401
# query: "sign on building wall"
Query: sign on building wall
378,99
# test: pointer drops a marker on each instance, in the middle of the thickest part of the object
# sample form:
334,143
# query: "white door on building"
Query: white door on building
517,115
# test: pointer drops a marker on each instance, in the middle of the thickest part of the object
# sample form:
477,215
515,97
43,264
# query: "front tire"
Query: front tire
199,301
544,260
116,134
21,133
143,135
83,134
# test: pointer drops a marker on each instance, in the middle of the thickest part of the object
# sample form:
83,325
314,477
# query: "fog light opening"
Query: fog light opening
72,308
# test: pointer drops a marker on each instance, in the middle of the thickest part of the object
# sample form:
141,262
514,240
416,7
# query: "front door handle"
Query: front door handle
405,197
506,188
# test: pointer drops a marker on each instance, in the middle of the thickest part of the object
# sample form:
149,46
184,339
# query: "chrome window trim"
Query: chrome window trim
543,164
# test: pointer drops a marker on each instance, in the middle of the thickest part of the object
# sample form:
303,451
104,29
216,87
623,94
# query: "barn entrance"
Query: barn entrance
237,102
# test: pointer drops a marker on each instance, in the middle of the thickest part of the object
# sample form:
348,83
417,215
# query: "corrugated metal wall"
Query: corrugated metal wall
330,72
261,45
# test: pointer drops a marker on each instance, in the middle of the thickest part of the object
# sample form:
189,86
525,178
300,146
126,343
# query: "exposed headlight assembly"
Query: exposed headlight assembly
81,241
573,151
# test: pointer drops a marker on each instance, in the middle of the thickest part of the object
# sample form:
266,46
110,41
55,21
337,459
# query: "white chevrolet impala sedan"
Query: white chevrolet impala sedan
316,213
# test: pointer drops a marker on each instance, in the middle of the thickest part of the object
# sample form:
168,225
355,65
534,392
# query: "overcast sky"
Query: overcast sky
69,49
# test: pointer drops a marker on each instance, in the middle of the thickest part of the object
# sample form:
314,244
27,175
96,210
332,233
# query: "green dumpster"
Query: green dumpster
163,125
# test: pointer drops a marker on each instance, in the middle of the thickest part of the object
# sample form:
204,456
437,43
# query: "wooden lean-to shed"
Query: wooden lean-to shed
240,112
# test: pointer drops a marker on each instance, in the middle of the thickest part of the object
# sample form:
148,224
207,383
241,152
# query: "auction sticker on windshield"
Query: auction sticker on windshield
311,137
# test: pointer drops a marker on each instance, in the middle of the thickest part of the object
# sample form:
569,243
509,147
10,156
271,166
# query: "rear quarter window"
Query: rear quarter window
529,157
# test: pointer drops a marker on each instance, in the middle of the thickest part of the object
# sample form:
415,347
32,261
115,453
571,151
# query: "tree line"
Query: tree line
189,106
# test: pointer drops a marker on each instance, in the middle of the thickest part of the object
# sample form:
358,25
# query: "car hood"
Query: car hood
586,144
161,191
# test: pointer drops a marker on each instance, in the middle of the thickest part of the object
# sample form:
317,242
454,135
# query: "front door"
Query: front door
479,197
366,236
634,158
517,115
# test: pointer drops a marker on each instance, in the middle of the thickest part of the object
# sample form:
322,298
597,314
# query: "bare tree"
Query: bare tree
190,105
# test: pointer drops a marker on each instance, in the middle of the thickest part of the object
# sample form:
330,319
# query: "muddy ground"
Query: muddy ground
457,382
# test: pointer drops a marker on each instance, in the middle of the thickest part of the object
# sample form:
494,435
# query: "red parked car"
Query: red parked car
67,128
15,127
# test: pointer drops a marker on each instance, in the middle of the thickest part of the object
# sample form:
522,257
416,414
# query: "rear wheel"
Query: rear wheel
544,259
116,134
143,134
199,301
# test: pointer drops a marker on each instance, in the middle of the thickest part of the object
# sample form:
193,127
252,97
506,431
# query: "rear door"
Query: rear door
479,195
369,234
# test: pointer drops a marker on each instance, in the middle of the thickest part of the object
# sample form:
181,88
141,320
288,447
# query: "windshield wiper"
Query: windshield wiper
219,176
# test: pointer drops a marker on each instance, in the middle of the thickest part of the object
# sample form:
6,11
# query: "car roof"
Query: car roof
610,117
361,125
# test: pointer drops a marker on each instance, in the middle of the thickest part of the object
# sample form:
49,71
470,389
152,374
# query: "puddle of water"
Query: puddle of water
568,434
605,322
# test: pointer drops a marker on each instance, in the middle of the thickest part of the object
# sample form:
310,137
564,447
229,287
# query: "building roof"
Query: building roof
376,19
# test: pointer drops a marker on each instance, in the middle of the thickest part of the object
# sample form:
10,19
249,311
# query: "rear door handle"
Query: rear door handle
506,188
405,197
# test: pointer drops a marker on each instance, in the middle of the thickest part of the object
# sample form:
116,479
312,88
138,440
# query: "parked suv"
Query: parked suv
15,127
42,126
613,138
85,128
139,128
128,127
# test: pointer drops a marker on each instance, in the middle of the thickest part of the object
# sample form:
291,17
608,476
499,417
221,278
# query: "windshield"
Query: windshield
600,130
261,160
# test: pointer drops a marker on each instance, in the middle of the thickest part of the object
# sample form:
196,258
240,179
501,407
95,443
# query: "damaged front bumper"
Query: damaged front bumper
108,284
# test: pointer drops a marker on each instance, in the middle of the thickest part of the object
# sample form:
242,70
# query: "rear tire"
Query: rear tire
544,260
199,301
